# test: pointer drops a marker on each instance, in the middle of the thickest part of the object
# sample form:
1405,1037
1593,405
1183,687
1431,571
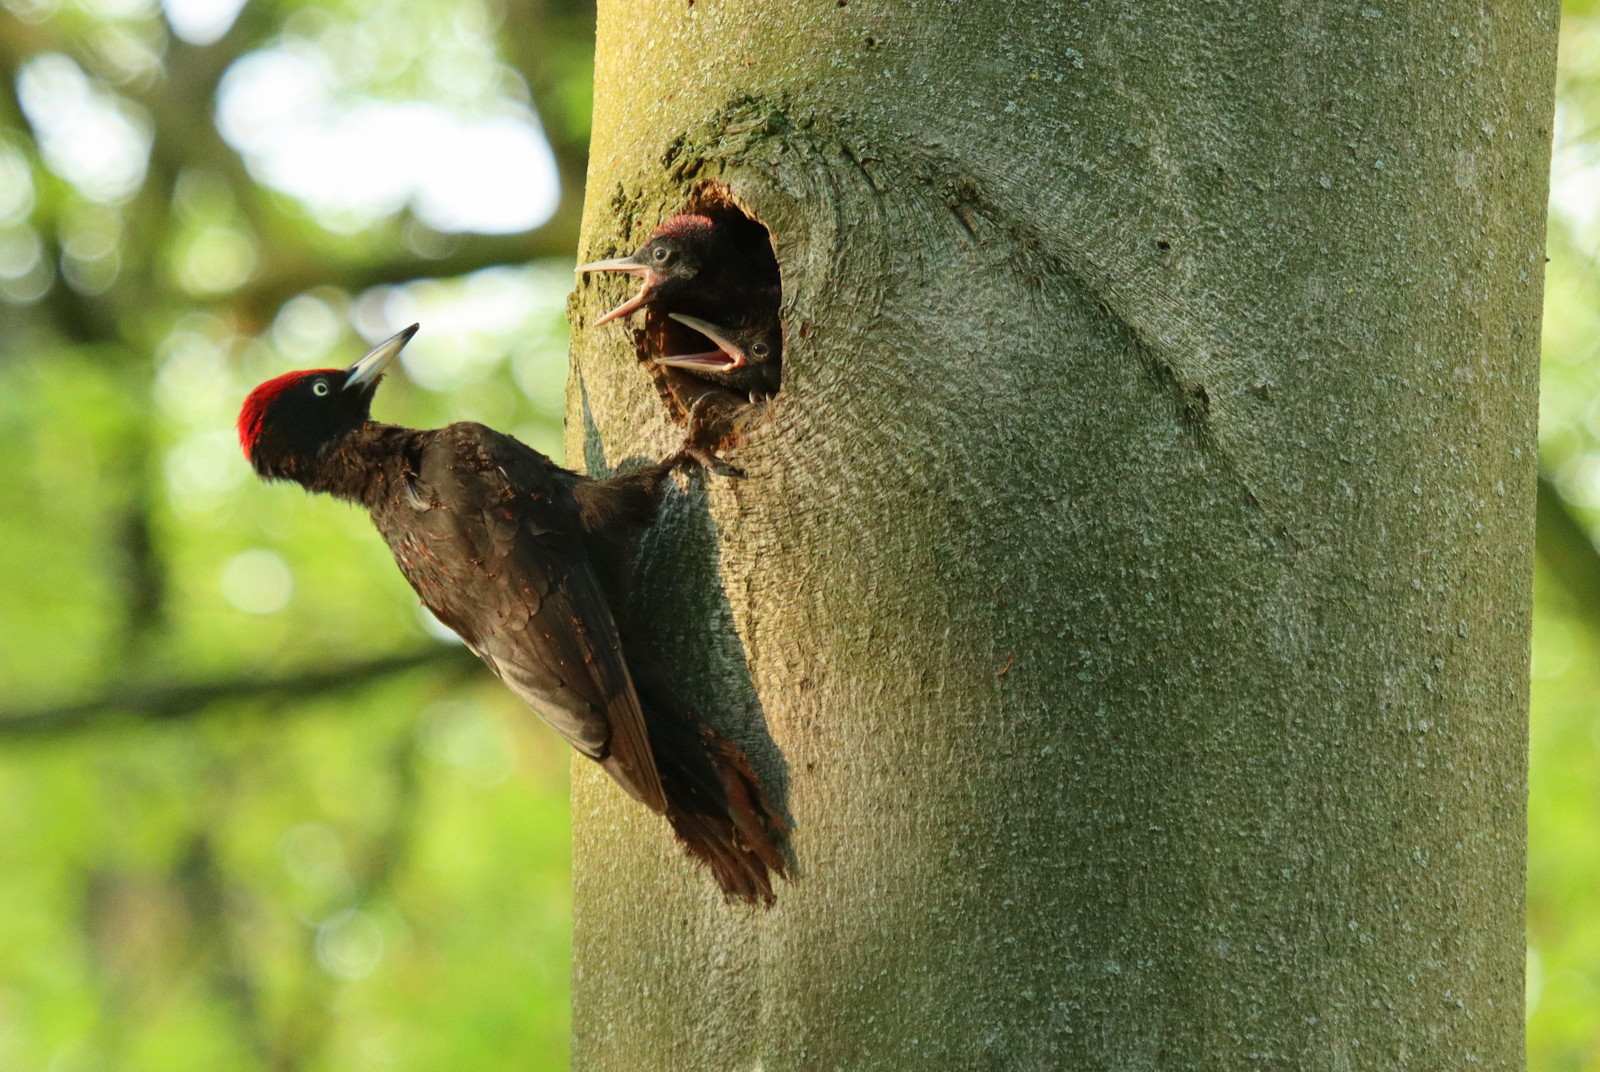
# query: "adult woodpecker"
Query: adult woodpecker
526,562
746,355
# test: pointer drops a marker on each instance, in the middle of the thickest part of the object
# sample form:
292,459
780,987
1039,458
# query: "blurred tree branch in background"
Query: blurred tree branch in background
175,701
286,277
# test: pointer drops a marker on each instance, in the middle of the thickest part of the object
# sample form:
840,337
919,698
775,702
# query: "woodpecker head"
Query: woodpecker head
742,345
677,252
288,422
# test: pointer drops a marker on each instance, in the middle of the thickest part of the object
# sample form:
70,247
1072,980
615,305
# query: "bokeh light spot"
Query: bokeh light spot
465,737
16,185
258,581
88,135
350,944
216,260
201,22
482,166
306,328
20,252
314,857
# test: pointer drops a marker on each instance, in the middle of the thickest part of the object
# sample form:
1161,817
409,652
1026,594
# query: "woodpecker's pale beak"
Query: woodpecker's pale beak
727,356
370,367
627,266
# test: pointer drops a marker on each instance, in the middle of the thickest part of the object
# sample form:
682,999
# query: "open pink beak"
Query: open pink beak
727,356
628,266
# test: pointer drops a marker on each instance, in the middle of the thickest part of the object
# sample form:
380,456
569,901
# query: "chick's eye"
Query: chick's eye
759,349
662,254
319,388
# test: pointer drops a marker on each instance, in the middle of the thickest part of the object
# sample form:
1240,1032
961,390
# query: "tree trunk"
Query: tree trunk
1129,593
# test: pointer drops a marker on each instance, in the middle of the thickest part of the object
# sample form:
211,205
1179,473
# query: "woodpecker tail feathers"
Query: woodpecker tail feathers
718,809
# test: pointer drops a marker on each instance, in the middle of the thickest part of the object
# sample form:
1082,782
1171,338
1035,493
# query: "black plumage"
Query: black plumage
526,562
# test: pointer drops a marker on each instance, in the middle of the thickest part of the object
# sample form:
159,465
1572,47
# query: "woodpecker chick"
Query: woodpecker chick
691,264
747,354
527,563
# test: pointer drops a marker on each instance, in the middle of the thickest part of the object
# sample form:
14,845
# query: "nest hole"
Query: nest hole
722,403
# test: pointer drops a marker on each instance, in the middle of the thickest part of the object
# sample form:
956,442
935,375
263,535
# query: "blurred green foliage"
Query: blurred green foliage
257,813
1564,799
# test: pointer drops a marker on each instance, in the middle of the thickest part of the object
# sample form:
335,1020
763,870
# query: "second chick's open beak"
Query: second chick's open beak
728,355
629,265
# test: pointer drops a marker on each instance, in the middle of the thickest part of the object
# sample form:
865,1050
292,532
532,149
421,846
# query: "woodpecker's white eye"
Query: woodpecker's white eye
319,388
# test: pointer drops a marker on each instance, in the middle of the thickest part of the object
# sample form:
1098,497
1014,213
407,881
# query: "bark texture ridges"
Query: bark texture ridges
1129,592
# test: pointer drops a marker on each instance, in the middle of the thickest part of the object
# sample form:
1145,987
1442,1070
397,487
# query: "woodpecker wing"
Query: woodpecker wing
489,536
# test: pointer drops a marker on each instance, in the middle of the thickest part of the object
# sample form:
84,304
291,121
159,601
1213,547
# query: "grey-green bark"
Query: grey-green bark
1134,570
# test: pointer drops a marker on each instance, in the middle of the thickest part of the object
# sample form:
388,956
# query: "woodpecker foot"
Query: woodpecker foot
694,447
711,463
